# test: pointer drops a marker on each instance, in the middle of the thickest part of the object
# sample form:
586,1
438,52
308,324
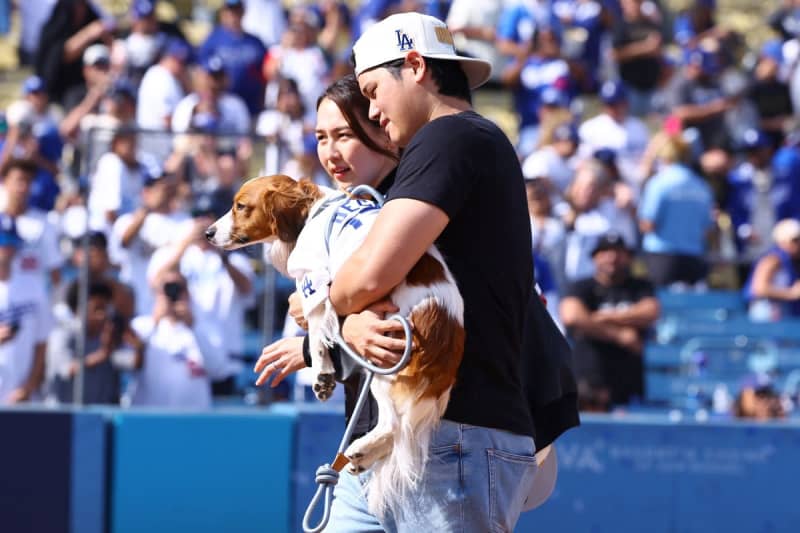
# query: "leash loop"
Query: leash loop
327,476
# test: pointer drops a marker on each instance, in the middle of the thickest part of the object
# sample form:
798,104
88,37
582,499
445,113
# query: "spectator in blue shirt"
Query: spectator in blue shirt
675,214
762,189
773,289
518,22
241,53
584,26
530,75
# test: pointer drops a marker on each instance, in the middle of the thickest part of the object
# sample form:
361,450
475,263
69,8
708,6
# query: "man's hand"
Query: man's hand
296,310
630,339
368,333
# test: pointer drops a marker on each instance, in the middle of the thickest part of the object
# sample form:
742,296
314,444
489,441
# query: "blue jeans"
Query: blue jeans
477,480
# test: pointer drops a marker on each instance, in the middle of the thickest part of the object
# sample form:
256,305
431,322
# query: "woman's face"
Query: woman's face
343,156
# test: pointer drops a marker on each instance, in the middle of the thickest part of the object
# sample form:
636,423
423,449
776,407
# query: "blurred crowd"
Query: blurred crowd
656,146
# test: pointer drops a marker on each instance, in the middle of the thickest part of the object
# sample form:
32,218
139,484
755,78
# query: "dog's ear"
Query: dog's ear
288,205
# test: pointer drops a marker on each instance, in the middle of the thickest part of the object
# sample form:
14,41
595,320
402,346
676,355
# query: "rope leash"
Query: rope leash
327,475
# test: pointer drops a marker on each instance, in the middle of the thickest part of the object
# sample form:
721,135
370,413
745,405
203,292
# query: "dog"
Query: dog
311,236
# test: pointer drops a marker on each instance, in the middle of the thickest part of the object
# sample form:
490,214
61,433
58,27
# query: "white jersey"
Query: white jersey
29,310
217,307
157,230
234,116
40,252
159,94
628,139
114,187
172,374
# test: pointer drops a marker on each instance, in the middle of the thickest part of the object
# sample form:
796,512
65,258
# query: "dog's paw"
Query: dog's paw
365,452
323,386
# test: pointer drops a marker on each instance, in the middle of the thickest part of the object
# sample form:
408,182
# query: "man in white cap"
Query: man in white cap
458,185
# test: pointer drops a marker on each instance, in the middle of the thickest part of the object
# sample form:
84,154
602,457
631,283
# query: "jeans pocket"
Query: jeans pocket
510,480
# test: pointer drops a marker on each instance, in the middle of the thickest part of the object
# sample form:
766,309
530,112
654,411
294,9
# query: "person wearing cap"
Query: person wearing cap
210,95
117,181
24,323
39,259
769,92
616,129
297,56
675,217
696,23
529,76
608,316
73,26
518,23
220,284
591,212
752,202
33,90
758,399
162,87
145,40
700,102
773,287
558,143
241,53
135,236
585,23
459,185
638,47
84,100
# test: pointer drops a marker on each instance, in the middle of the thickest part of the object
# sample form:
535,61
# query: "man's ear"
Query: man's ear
417,64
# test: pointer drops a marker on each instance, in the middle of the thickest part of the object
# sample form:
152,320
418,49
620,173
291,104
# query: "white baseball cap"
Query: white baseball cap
96,53
395,36
786,230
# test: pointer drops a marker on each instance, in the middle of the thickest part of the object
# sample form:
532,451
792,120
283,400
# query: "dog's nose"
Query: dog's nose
210,232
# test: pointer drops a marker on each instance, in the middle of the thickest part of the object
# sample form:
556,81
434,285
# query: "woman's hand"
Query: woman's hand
279,359
368,333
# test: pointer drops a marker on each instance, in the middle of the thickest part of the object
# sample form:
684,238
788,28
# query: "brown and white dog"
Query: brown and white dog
311,238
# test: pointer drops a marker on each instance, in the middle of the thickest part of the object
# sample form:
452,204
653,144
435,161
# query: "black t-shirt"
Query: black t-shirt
604,363
466,166
642,72
713,130
771,98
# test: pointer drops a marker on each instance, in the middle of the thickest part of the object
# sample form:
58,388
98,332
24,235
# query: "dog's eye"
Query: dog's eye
239,206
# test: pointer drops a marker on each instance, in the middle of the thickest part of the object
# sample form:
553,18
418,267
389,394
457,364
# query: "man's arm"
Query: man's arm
640,315
35,377
578,318
403,231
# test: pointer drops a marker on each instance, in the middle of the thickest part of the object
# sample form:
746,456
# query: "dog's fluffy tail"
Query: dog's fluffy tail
419,394
395,477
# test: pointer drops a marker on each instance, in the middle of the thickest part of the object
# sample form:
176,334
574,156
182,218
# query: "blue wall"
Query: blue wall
201,472
649,475
252,471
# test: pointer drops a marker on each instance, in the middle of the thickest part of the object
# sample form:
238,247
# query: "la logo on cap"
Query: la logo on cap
404,42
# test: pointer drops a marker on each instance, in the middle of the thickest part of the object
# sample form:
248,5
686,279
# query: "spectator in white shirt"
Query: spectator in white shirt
221,285
593,213
173,372
39,258
617,129
135,236
117,182
210,96
162,87
24,325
